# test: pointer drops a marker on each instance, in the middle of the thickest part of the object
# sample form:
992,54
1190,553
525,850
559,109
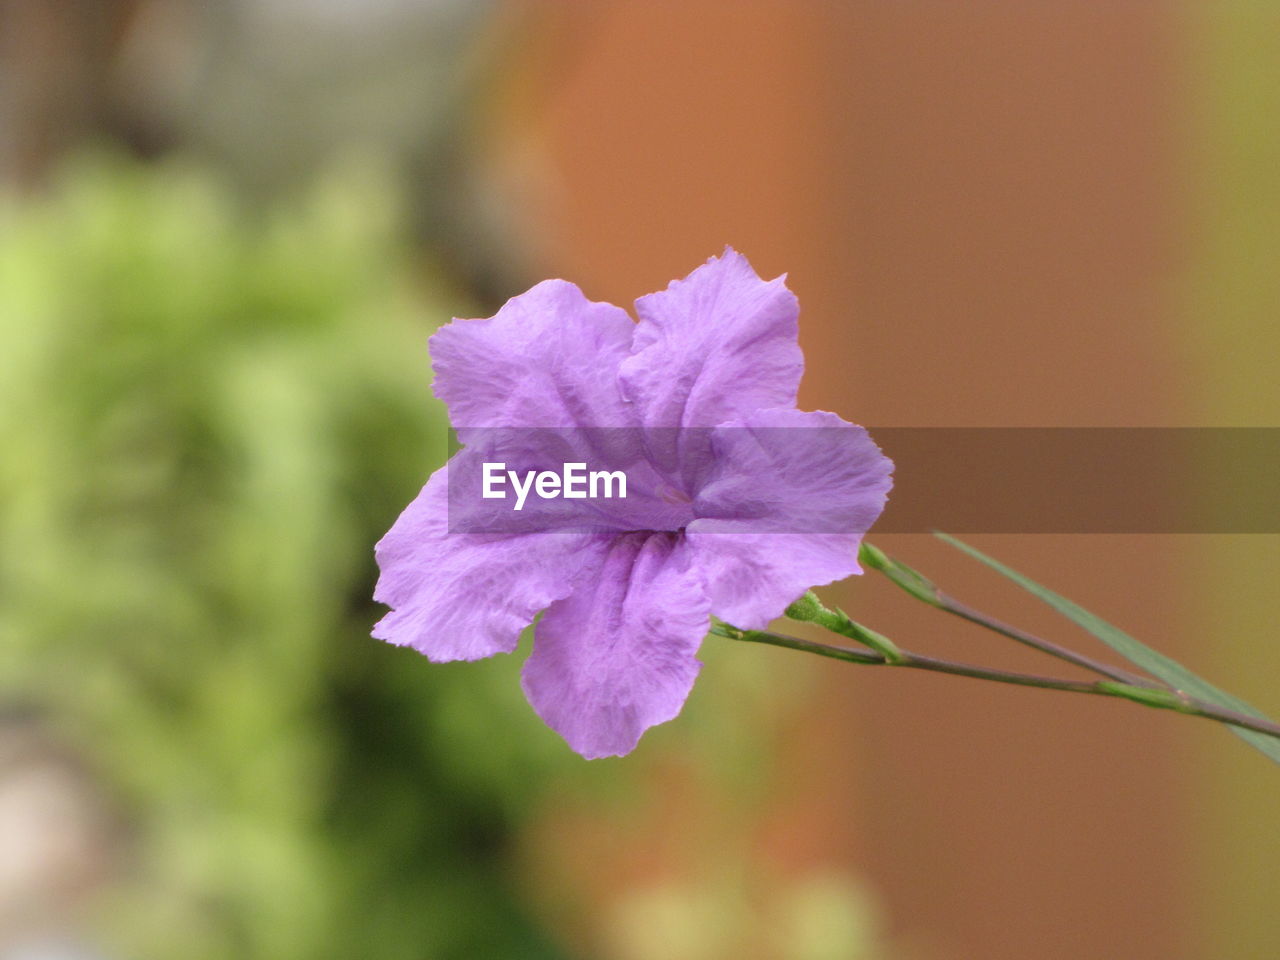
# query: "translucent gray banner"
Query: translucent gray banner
962,480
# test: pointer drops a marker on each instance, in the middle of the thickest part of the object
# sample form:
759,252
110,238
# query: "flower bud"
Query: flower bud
807,608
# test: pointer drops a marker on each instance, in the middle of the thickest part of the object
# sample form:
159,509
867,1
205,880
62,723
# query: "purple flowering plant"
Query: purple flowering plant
665,487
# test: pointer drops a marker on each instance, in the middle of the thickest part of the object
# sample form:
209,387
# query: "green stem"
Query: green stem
966,612
924,589
1145,695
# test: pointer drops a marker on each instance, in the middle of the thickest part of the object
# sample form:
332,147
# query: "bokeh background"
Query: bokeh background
226,229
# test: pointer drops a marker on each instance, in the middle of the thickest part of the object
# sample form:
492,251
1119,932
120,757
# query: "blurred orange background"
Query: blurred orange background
993,214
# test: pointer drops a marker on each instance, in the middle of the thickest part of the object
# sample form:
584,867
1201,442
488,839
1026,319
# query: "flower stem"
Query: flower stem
966,612
924,589
1146,695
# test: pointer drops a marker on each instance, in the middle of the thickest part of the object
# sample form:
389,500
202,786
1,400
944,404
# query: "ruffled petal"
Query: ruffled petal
548,358
618,655
464,596
790,499
753,577
715,346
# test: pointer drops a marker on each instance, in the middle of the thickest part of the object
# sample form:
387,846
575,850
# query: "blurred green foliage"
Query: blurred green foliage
207,420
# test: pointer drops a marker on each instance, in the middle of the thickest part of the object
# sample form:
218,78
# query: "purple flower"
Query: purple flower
739,501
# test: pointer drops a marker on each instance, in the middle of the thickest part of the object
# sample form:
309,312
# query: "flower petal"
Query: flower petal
792,495
464,596
715,346
753,577
548,358
618,655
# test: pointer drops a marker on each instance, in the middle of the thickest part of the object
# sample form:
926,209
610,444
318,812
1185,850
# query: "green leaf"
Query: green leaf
1168,670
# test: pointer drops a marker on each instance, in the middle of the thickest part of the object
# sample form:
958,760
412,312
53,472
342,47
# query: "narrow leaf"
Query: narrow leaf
1168,670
